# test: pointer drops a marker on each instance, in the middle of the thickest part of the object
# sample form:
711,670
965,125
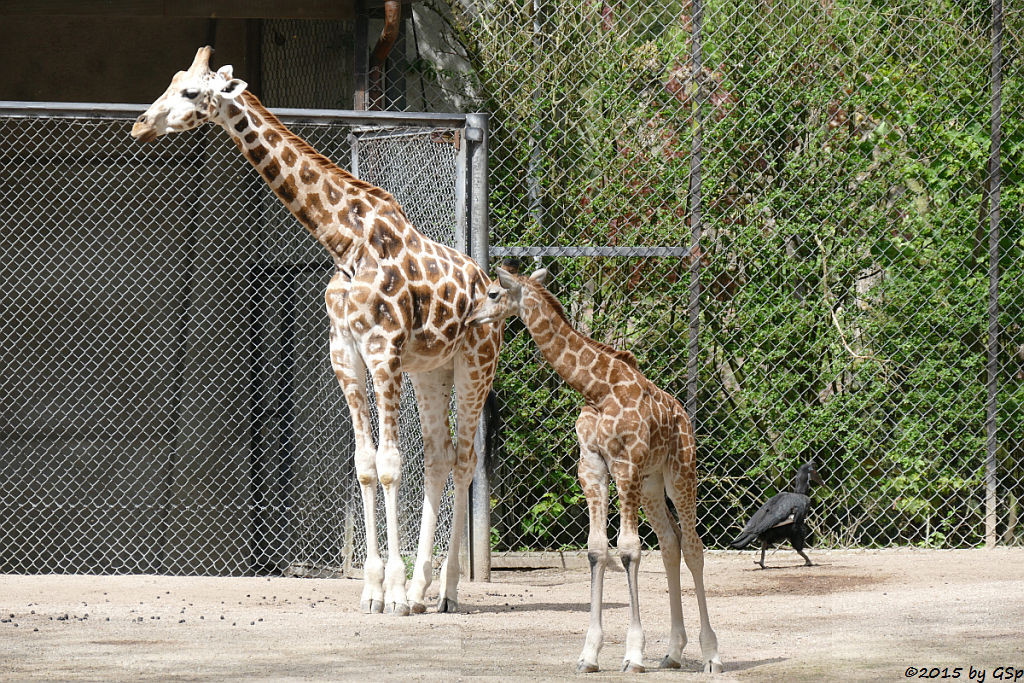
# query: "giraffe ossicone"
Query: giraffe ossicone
642,437
397,302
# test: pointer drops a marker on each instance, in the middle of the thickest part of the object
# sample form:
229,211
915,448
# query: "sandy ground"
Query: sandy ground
866,615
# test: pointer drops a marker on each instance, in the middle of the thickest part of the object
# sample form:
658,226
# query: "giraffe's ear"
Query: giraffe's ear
232,87
506,280
540,276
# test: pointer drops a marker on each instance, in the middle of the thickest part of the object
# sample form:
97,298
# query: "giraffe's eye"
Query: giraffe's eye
190,93
493,294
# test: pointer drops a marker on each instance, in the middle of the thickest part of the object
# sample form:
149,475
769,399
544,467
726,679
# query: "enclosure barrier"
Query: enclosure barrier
168,401
805,219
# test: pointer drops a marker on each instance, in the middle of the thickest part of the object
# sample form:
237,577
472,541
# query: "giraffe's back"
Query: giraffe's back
406,287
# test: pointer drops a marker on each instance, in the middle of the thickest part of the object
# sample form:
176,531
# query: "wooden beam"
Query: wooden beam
361,62
221,9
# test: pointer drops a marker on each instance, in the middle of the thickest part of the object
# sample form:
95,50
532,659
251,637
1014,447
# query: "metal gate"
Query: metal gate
168,404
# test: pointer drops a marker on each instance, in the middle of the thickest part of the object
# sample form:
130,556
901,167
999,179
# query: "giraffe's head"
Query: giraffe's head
507,296
192,98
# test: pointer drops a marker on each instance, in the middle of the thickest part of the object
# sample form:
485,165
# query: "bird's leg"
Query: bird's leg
764,547
807,560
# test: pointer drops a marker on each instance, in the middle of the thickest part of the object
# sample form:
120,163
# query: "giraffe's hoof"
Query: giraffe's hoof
583,667
669,663
372,606
417,607
632,667
713,666
447,605
398,609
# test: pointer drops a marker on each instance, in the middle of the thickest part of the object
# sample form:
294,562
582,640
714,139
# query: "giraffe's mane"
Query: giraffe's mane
621,354
309,152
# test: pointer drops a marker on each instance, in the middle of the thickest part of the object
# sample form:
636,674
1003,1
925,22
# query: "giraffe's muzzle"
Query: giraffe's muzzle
143,130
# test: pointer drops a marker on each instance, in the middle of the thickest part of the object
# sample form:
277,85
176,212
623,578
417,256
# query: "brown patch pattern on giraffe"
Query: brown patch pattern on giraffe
397,301
288,190
272,137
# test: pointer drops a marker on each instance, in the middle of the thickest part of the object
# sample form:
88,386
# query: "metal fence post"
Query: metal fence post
693,347
480,506
994,187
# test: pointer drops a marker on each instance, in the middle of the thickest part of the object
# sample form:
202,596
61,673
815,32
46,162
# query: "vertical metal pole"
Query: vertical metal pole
693,348
463,180
353,148
480,504
533,185
994,187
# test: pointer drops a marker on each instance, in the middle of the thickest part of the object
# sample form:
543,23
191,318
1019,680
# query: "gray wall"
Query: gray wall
136,425
107,59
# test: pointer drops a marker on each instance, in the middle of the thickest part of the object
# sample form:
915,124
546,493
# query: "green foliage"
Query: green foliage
845,248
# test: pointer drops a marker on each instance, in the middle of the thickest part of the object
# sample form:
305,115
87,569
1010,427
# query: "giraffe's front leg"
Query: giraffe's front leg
387,385
593,475
351,373
627,484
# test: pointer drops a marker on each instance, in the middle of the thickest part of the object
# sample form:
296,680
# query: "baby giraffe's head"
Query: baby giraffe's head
506,297
193,98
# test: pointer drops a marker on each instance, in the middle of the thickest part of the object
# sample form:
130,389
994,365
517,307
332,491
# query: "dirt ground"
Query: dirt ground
866,615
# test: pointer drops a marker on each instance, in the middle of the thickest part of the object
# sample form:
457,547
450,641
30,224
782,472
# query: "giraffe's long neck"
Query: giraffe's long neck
339,210
582,362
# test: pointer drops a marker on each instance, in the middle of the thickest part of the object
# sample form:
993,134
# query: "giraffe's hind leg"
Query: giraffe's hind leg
474,370
667,530
683,491
433,395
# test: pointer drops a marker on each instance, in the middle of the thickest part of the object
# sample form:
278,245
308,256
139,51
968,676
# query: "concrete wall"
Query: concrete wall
126,303
107,59
167,404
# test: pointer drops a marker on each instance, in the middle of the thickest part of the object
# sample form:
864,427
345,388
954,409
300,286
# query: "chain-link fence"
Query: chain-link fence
169,406
844,258
168,401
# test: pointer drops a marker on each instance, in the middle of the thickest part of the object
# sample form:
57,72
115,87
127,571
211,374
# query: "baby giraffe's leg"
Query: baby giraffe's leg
593,474
667,530
684,496
628,486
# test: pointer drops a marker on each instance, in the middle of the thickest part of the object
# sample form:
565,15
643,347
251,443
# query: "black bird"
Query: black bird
782,517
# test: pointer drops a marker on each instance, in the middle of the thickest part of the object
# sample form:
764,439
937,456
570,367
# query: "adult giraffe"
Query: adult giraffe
397,301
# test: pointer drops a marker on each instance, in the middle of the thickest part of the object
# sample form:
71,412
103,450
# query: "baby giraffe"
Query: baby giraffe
642,436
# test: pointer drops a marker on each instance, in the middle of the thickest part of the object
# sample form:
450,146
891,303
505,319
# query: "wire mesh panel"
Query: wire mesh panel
168,401
844,261
306,63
